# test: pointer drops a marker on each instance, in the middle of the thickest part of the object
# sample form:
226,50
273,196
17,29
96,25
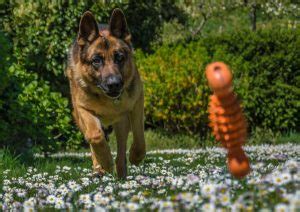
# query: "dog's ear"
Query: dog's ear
118,25
88,29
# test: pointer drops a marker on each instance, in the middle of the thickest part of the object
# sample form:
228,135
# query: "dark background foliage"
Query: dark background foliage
175,40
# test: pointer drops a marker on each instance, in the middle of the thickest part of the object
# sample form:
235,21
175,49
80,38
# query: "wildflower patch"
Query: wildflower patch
168,179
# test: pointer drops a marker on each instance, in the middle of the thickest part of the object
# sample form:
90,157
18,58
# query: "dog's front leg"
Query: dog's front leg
121,129
91,127
138,147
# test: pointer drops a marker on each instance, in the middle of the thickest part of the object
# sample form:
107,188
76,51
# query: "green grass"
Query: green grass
158,139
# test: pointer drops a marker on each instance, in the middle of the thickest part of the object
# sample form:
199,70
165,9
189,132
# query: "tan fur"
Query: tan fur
93,110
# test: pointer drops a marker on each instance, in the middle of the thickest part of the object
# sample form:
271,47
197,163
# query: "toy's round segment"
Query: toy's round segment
219,78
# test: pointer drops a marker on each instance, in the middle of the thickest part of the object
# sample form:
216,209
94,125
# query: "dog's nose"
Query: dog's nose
114,83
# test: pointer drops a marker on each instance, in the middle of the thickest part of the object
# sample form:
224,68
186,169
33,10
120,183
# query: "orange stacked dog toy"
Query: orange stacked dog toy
226,118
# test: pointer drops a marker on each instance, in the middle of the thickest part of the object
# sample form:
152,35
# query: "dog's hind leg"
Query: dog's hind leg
138,147
121,129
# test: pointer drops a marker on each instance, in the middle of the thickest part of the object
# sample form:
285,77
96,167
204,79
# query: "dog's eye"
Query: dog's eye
119,57
97,61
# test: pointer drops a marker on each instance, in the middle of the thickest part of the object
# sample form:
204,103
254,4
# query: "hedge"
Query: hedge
32,116
266,68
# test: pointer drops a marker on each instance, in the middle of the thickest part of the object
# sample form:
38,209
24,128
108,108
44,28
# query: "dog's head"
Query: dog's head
105,55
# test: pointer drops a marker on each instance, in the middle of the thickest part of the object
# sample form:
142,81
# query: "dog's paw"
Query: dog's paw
98,171
136,155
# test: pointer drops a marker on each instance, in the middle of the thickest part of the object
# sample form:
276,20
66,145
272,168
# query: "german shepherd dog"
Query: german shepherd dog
107,90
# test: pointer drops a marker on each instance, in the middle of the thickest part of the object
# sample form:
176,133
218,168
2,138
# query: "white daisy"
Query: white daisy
209,207
208,189
60,204
281,208
51,199
131,206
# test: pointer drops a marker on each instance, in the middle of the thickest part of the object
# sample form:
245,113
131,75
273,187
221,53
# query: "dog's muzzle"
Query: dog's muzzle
112,86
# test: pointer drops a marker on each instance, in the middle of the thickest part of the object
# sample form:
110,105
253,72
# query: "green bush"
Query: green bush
266,77
4,63
30,113
34,115
175,88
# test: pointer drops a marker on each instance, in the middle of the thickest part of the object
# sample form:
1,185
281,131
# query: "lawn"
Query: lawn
167,179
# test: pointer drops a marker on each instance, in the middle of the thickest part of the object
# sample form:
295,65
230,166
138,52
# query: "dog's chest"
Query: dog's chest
110,111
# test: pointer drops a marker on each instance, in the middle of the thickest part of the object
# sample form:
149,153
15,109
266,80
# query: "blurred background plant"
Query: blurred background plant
174,41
